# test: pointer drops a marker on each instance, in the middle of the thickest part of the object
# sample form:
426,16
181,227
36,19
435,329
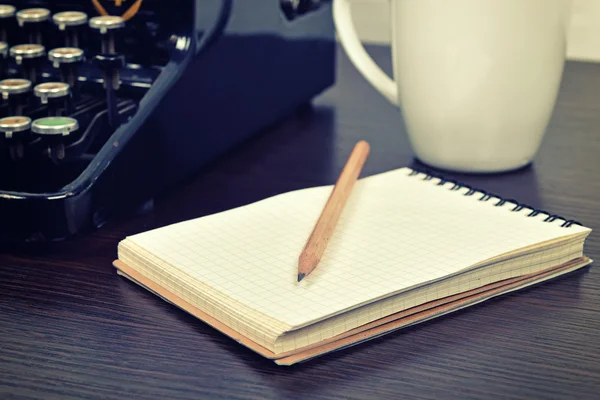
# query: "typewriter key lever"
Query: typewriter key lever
6,12
32,18
55,94
109,61
3,55
70,22
55,131
28,56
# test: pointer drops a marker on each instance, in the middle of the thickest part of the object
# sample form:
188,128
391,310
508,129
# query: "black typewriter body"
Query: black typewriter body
194,78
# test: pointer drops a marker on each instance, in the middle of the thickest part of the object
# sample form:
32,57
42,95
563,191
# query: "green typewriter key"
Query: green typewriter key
70,22
33,18
55,94
15,130
15,92
6,12
28,56
54,132
67,59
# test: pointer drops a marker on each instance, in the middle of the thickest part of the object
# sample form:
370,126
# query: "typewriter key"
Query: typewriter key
106,25
15,130
53,131
6,11
55,94
70,21
14,91
67,59
33,17
28,56
11,127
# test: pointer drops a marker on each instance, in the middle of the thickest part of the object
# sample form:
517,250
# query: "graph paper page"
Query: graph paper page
397,231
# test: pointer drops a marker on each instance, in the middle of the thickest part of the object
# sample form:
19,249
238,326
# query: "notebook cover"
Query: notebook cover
368,331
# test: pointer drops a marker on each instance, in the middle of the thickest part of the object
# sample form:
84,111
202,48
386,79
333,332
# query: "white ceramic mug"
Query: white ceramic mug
476,80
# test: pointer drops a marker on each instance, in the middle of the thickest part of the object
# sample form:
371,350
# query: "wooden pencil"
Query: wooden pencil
317,242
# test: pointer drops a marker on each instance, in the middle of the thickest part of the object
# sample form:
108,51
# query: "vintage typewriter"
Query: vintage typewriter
106,104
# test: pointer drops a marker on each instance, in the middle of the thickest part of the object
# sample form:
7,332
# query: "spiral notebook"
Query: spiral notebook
408,247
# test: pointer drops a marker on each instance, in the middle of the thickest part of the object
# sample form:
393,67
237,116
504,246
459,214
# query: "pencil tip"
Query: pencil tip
301,276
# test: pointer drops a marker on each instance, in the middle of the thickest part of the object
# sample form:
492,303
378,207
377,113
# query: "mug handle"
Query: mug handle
342,17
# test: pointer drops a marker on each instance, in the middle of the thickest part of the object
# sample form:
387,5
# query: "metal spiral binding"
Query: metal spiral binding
486,196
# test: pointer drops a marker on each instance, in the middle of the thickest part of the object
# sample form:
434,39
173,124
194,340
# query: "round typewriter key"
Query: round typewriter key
54,126
31,15
51,90
14,86
55,94
53,131
106,25
15,130
28,57
27,51
7,11
15,92
70,22
10,126
69,18
65,55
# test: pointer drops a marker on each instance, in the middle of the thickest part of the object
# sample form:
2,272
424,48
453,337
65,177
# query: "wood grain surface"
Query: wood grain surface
71,328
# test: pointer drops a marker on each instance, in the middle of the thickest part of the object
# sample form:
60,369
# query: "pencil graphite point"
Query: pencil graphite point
301,276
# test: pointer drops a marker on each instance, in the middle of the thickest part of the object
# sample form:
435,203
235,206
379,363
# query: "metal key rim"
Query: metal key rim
7,11
65,55
69,18
51,90
13,124
51,126
14,86
32,15
104,23
27,50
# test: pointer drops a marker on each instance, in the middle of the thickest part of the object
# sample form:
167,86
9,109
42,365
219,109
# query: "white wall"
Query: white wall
371,19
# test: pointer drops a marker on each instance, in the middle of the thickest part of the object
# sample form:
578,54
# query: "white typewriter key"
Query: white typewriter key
27,51
54,126
7,11
9,87
65,55
51,90
11,125
105,23
32,15
69,18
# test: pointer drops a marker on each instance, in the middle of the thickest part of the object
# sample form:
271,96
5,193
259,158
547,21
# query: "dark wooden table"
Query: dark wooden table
71,328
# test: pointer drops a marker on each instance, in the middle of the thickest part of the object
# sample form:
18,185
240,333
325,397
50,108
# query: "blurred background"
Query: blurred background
372,22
